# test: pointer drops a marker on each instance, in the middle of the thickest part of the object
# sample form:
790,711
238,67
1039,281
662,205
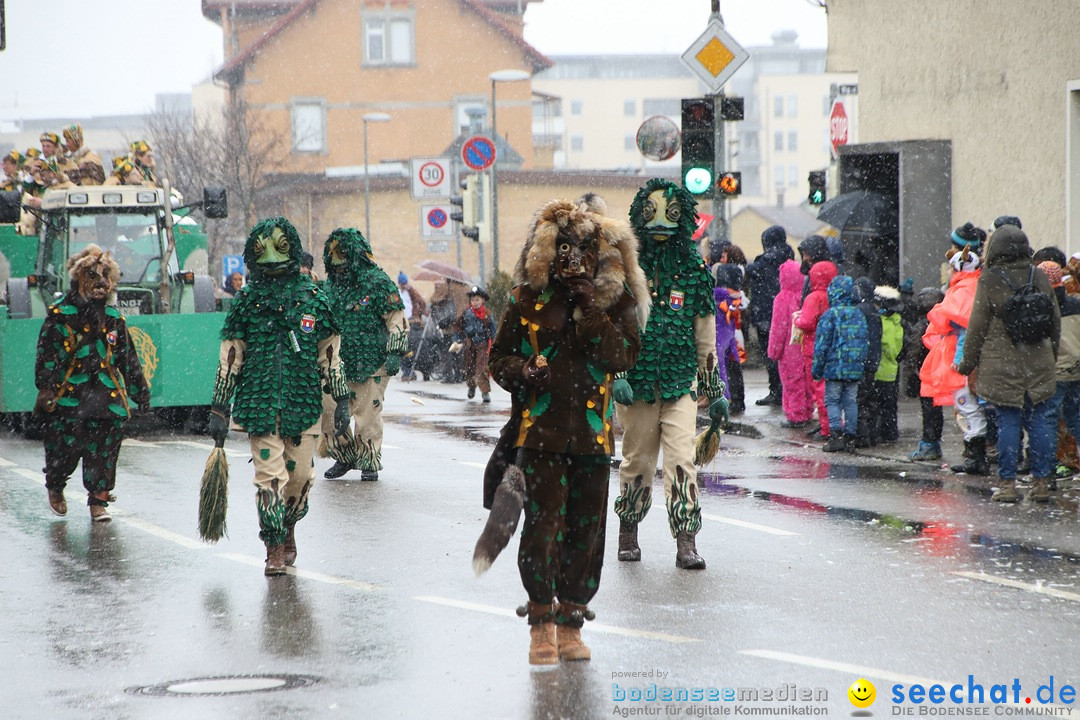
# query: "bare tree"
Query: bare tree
234,147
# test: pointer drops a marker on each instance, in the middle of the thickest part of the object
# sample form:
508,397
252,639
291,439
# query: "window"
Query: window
778,106
629,108
826,106
661,106
388,38
466,106
577,143
792,175
792,106
575,107
629,142
792,141
778,141
778,176
308,126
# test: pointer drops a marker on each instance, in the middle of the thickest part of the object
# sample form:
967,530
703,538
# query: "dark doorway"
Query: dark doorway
873,253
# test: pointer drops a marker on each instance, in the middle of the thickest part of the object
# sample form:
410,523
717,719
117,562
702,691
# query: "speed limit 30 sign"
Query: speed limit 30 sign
430,177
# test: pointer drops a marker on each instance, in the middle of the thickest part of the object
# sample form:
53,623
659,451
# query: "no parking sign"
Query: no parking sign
435,221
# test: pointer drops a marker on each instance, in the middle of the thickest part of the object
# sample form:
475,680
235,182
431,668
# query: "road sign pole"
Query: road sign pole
718,230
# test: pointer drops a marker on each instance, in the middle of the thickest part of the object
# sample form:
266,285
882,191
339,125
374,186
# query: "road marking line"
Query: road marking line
391,447
160,532
35,476
6,463
482,466
138,443
309,574
1039,589
593,626
846,668
747,525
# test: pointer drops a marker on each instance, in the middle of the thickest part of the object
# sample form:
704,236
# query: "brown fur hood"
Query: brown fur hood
617,260
93,257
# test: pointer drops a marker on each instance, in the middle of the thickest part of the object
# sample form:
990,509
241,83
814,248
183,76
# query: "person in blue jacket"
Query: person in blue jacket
840,358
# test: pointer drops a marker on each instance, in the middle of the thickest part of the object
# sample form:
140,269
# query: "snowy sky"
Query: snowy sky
113,56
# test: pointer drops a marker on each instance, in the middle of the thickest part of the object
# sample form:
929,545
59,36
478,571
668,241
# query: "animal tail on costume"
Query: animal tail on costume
214,496
707,444
502,520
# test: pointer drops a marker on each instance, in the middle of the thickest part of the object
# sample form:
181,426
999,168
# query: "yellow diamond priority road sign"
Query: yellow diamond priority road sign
714,57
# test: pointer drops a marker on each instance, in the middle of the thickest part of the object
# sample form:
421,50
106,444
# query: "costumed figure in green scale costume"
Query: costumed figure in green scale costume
279,350
374,337
657,399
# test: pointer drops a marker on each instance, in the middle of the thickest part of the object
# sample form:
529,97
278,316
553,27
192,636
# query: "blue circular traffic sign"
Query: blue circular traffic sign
478,153
437,218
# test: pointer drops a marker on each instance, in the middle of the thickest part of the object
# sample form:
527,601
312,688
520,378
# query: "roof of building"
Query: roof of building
234,65
796,220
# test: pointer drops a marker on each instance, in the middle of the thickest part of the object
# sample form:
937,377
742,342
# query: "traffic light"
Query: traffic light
730,184
468,200
698,146
818,191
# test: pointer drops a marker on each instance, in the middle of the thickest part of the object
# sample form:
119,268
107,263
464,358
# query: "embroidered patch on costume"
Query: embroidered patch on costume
111,337
307,323
365,300
676,299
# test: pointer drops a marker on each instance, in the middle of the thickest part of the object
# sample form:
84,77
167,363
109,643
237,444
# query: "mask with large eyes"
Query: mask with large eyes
338,261
575,257
272,252
94,283
661,215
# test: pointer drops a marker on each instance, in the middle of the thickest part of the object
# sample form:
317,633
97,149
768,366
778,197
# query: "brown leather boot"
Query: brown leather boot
290,546
686,555
1006,493
1040,490
629,551
57,503
569,633
275,560
99,513
542,639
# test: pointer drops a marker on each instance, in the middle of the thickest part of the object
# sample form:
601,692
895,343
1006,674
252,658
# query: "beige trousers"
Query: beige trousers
361,447
284,476
648,427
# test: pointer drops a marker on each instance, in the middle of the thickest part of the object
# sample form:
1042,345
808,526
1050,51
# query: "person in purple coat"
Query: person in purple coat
728,281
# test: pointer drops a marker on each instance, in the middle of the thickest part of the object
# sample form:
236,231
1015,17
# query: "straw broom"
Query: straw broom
214,495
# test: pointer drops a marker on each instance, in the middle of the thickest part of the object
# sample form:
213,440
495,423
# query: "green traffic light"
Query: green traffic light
817,197
697,180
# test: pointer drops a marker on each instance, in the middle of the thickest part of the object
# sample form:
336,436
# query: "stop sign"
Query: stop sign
838,127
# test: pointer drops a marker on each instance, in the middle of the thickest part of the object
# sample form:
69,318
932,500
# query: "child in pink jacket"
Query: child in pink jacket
788,355
813,307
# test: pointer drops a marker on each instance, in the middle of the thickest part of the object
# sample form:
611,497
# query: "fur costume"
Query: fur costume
88,377
678,360
279,350
570,326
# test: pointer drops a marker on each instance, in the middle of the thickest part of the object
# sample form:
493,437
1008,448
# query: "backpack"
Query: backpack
1029,314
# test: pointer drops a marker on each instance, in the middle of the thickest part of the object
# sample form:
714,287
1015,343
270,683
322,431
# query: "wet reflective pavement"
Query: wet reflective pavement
822,569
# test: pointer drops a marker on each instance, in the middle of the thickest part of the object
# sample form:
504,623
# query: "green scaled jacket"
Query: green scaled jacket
279,350
371,316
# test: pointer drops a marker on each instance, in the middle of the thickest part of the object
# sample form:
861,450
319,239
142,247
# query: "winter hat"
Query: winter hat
728,276
50,137
836,249
402,278
965,260
773,236
307,260
140,146
967,235
887,297
1052,270
1052,254
1007,220
477,290
16,157
73,135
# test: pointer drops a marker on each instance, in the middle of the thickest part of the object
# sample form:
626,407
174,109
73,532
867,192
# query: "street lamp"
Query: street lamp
369,117
498,76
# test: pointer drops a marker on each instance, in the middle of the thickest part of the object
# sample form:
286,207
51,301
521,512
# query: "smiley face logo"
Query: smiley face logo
862,693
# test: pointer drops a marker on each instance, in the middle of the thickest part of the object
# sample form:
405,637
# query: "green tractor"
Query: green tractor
171,313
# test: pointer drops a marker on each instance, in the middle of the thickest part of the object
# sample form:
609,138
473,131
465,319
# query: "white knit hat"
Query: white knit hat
960,264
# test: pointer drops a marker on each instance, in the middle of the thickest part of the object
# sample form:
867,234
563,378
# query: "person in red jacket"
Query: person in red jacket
806,320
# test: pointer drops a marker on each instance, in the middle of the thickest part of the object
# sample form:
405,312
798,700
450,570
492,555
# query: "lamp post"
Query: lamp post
369,117
498,76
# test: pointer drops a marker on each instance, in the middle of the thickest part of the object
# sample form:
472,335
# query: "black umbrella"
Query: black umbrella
863,212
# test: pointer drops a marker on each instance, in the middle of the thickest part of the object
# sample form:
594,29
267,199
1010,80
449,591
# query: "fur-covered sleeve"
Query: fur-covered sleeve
508,355
611,338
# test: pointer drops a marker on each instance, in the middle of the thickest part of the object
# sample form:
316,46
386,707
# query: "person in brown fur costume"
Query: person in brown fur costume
88,377
571,324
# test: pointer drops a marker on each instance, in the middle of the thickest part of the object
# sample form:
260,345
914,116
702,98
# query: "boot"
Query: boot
486,397
337,470
542,639
851,442
568,634
369,475
57,503
686,555
275,560
472,393
977,463
1040,490
99,513
629,551
770,399
836,444
926,451
290,546
1006,493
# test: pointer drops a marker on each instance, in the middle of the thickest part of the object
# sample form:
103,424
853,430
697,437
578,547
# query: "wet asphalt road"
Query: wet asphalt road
822,569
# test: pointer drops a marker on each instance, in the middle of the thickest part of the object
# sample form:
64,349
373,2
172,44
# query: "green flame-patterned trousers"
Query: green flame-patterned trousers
562,539
284,475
